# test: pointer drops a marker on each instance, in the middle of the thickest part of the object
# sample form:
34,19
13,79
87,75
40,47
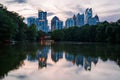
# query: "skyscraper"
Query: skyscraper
74,18
89,19
80,20
69,22
53,23
56,23
97,18
42,22
59,24
42,15
88,15
31,20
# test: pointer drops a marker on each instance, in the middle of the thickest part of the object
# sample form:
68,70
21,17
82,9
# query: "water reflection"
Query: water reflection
80,55
10,58
84,56
81,60
90,51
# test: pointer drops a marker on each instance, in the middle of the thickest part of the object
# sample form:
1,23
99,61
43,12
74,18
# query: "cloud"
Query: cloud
69,13
18,1
65,8
64,70
50,14
18,76
110,17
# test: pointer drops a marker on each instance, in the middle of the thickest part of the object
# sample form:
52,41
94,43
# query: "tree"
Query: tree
31,33
12,26
57,35
7,27
40,34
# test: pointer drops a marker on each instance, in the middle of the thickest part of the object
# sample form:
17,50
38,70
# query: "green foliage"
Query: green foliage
12,27
58,35
32,32
103,32
40,34
6,32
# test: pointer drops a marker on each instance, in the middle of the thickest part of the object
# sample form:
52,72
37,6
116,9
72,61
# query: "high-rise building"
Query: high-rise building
69,22
56,23
59,24
74,18
88,14
89,19
42,15
80,20
93,20
97,18
53,23
31,20
42,22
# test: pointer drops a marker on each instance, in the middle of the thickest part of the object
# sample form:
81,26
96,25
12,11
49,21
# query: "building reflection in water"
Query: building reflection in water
55,56
81,60
70,57
78,60
88,62
30,58
42,57
80,55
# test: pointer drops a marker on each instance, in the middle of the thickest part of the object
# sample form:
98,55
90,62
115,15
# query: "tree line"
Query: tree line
102,32
12,27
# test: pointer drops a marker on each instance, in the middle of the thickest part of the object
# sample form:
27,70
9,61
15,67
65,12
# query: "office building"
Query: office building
69,22
56,24
31,20
80,20
89,19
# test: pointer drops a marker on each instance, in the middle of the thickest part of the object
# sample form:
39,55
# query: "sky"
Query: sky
63,70
106,9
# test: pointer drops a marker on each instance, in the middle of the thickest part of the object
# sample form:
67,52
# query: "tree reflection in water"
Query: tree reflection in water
13,56
79,54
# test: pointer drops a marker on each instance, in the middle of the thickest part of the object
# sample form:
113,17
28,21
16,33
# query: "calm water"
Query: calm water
60,61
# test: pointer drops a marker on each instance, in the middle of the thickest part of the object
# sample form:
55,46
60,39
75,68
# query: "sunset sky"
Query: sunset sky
106,9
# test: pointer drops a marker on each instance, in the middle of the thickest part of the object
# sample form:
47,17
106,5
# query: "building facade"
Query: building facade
69,22
74,18
88,15
89,19
31,20
41,22
80,20
56,24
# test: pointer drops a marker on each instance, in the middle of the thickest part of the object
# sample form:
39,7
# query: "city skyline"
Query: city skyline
109,11
78,20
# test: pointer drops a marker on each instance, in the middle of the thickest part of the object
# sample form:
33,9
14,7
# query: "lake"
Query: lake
60,61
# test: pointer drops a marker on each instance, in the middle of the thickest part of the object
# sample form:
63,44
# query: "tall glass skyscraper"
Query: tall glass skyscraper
69,22
89,19
42,22
88,15
31,20
56,24
42,15
80,20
